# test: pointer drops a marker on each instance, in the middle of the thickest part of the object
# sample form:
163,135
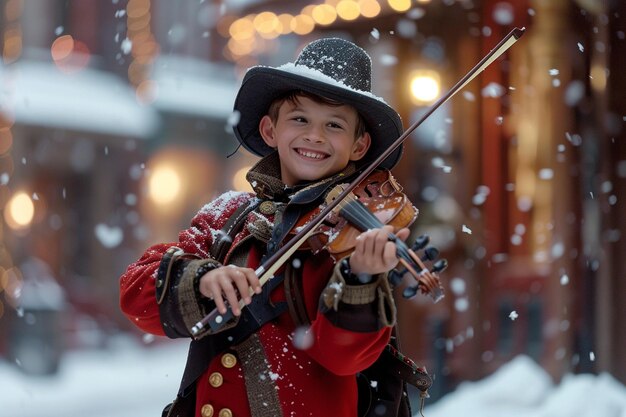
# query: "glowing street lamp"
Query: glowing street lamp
425,86
164,185
19,211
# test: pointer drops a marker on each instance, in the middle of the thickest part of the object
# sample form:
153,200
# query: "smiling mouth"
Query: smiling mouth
311,154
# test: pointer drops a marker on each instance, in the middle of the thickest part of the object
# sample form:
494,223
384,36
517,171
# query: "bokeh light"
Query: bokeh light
164,185
425,86
19,211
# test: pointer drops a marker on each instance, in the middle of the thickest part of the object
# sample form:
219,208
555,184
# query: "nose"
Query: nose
314,135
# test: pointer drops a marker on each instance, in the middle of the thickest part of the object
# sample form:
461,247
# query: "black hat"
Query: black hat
332,68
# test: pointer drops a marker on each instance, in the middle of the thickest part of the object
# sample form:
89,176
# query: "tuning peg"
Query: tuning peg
440,265
430,254
410,291
395,276
420,243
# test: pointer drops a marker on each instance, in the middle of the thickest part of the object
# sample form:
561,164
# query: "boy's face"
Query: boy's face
314,140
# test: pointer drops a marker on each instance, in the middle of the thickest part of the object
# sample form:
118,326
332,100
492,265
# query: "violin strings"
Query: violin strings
365,219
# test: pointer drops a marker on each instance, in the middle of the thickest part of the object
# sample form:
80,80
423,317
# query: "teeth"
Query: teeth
311,154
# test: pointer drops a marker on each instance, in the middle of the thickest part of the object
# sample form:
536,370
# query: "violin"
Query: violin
377,201
346,197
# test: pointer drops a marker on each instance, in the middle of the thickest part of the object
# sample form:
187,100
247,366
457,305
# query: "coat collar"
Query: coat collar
264,177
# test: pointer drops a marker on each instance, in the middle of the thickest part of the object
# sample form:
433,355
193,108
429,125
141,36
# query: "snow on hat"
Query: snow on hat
332,68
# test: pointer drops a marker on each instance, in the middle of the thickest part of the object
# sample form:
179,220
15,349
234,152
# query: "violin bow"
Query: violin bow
266,271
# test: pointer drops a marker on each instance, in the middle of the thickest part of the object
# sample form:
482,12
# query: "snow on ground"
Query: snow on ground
134,380
127,380
521,388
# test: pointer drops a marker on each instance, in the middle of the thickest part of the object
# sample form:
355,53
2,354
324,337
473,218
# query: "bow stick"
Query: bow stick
266,271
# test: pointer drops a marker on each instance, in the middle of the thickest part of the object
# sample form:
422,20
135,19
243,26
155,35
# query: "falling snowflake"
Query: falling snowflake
303,338
388,60
233,119
493,90
503,13
126,46
513,315
466,229
469,96
109,237
546,174
564,279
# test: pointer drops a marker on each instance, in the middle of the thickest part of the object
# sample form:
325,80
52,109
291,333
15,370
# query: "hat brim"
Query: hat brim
262,85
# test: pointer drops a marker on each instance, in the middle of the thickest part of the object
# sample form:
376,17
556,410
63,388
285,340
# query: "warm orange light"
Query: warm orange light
240,48
164,185
62,47
285,23
598,77
242,29
137,8
6,140
308,10
137,71
369,8
240,183
348,9
265,22
302,24
324,14
19,211
137,24
425,86
400,5
68,54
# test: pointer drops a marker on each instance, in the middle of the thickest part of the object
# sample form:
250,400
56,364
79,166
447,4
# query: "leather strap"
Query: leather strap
220,248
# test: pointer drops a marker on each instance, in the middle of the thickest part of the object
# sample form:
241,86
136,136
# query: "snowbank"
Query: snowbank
522,388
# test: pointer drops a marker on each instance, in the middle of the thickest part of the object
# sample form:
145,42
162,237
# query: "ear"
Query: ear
360,147
266,128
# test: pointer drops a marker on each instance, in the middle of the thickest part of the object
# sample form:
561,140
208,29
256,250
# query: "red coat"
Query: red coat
318,381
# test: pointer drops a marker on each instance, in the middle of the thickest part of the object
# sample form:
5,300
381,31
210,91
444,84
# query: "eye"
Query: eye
335,125
299,119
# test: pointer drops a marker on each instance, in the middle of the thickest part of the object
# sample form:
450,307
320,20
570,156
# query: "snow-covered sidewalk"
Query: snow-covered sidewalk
133,380
127,380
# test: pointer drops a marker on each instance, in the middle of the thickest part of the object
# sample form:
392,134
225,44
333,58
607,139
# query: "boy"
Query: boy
314,122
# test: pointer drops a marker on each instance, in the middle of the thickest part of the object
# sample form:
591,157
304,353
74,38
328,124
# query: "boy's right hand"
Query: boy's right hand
229,283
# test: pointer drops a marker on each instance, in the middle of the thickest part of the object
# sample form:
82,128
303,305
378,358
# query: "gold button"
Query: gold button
216,379
229,360
225,412
267,207
207,410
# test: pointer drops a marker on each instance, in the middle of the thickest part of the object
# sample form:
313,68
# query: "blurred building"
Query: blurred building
114,131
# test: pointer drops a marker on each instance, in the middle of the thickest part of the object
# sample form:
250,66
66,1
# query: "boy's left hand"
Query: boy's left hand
374,253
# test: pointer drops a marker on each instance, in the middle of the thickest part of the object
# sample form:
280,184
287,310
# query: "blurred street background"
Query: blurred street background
116,127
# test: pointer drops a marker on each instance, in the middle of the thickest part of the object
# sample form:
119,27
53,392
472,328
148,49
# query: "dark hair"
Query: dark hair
294,95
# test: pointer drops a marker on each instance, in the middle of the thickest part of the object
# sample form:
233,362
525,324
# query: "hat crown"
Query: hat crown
340,60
